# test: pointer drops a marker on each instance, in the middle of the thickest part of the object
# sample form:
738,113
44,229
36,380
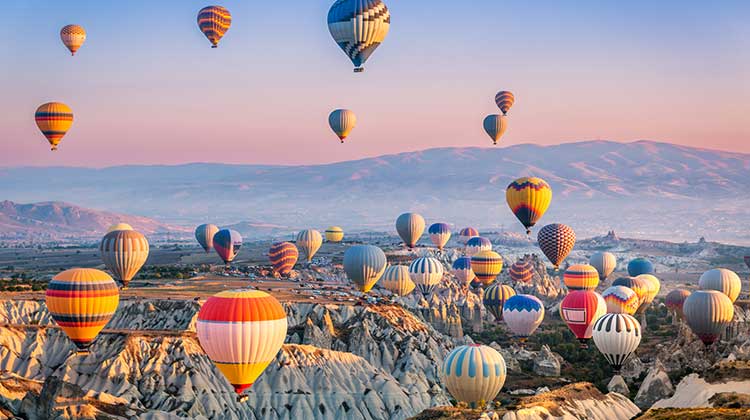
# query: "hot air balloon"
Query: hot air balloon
359,27
581,277
82,301
617,336
227,243
652,289
467,233
604,262
495,297
708,313
426,273
283,256
334,234
504,100
204,234
486,266
463,272
523,314
556,241
364,264
119,226
124,252
73,36
476,245
309,241
722,280
474,373
580,309
639,266
639,286
342,122
214,22
410,227
621,300
528,199
54,119
440,233
675,301
396,279
522,271
495,126
241,331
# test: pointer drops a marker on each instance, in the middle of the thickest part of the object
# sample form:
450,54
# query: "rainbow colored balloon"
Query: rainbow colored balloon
486,266
621,300
214,22
528,199
283,256
581,277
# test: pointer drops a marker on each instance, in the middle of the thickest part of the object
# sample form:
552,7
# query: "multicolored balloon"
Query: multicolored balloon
227,243
334,234
359,27
617,336
119,226
124,252
523,314
241,331
214,22
309,241
426,273
204,234
283,256
722,280
476,245
467,233
364,264
440,234
495,297
463,272
522,271
652,289
342,122
639,266
396,279
675,301
556,241
495,126
73,36
486,266
410,227
82,301
708,313
604,262
621,300
54,119
474,373
639,286
580,309
581,277
528,199
504,100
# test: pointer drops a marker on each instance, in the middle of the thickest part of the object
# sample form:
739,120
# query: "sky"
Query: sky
146,88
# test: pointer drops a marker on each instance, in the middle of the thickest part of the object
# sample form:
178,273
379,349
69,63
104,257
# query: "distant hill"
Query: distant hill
643,188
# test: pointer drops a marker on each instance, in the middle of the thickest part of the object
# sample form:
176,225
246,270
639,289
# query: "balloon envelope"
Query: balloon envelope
309,241
504,100
426,273
396,279
495,126
334,234
580,309
675,301
54,119
621,300
364,264
528,199
474,373
522,271
639,286
463,272
342,122
467,233
486,266
359,27
124,252
440,234
73,37
214,22
227,243
640,266
617,336
476,245
581,277
523,314
604,262
495,297
722,280
283,256
119,226
556,241
410,227
204,234
708,313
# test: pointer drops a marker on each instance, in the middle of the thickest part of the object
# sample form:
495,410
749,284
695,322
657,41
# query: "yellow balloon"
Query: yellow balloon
54,119
73,36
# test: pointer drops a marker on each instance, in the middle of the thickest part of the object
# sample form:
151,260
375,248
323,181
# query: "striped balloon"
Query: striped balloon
708,313
580,309
241,331
463,272
504,100
309,241
283,256
604,262
204,234
528,199
54,119
467,233
621,300
722,280
119,226
495,297
396,279
639,266
334,234
522,271
426,273
523,314
581,277
73,36
359,27
556,241
410,227
364,264
639,286
342,122
124,252
495,126
487,265
81,301
476,245
474,373
214,22
652,289
617,336
440,234
675,301
227,243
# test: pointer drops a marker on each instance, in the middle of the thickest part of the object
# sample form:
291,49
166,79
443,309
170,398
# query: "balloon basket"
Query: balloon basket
242,398
359,69
83,352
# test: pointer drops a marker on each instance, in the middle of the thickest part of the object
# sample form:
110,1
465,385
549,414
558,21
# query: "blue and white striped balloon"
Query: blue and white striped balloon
474,373
476,245
426,273
463,272
440,234
359,27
